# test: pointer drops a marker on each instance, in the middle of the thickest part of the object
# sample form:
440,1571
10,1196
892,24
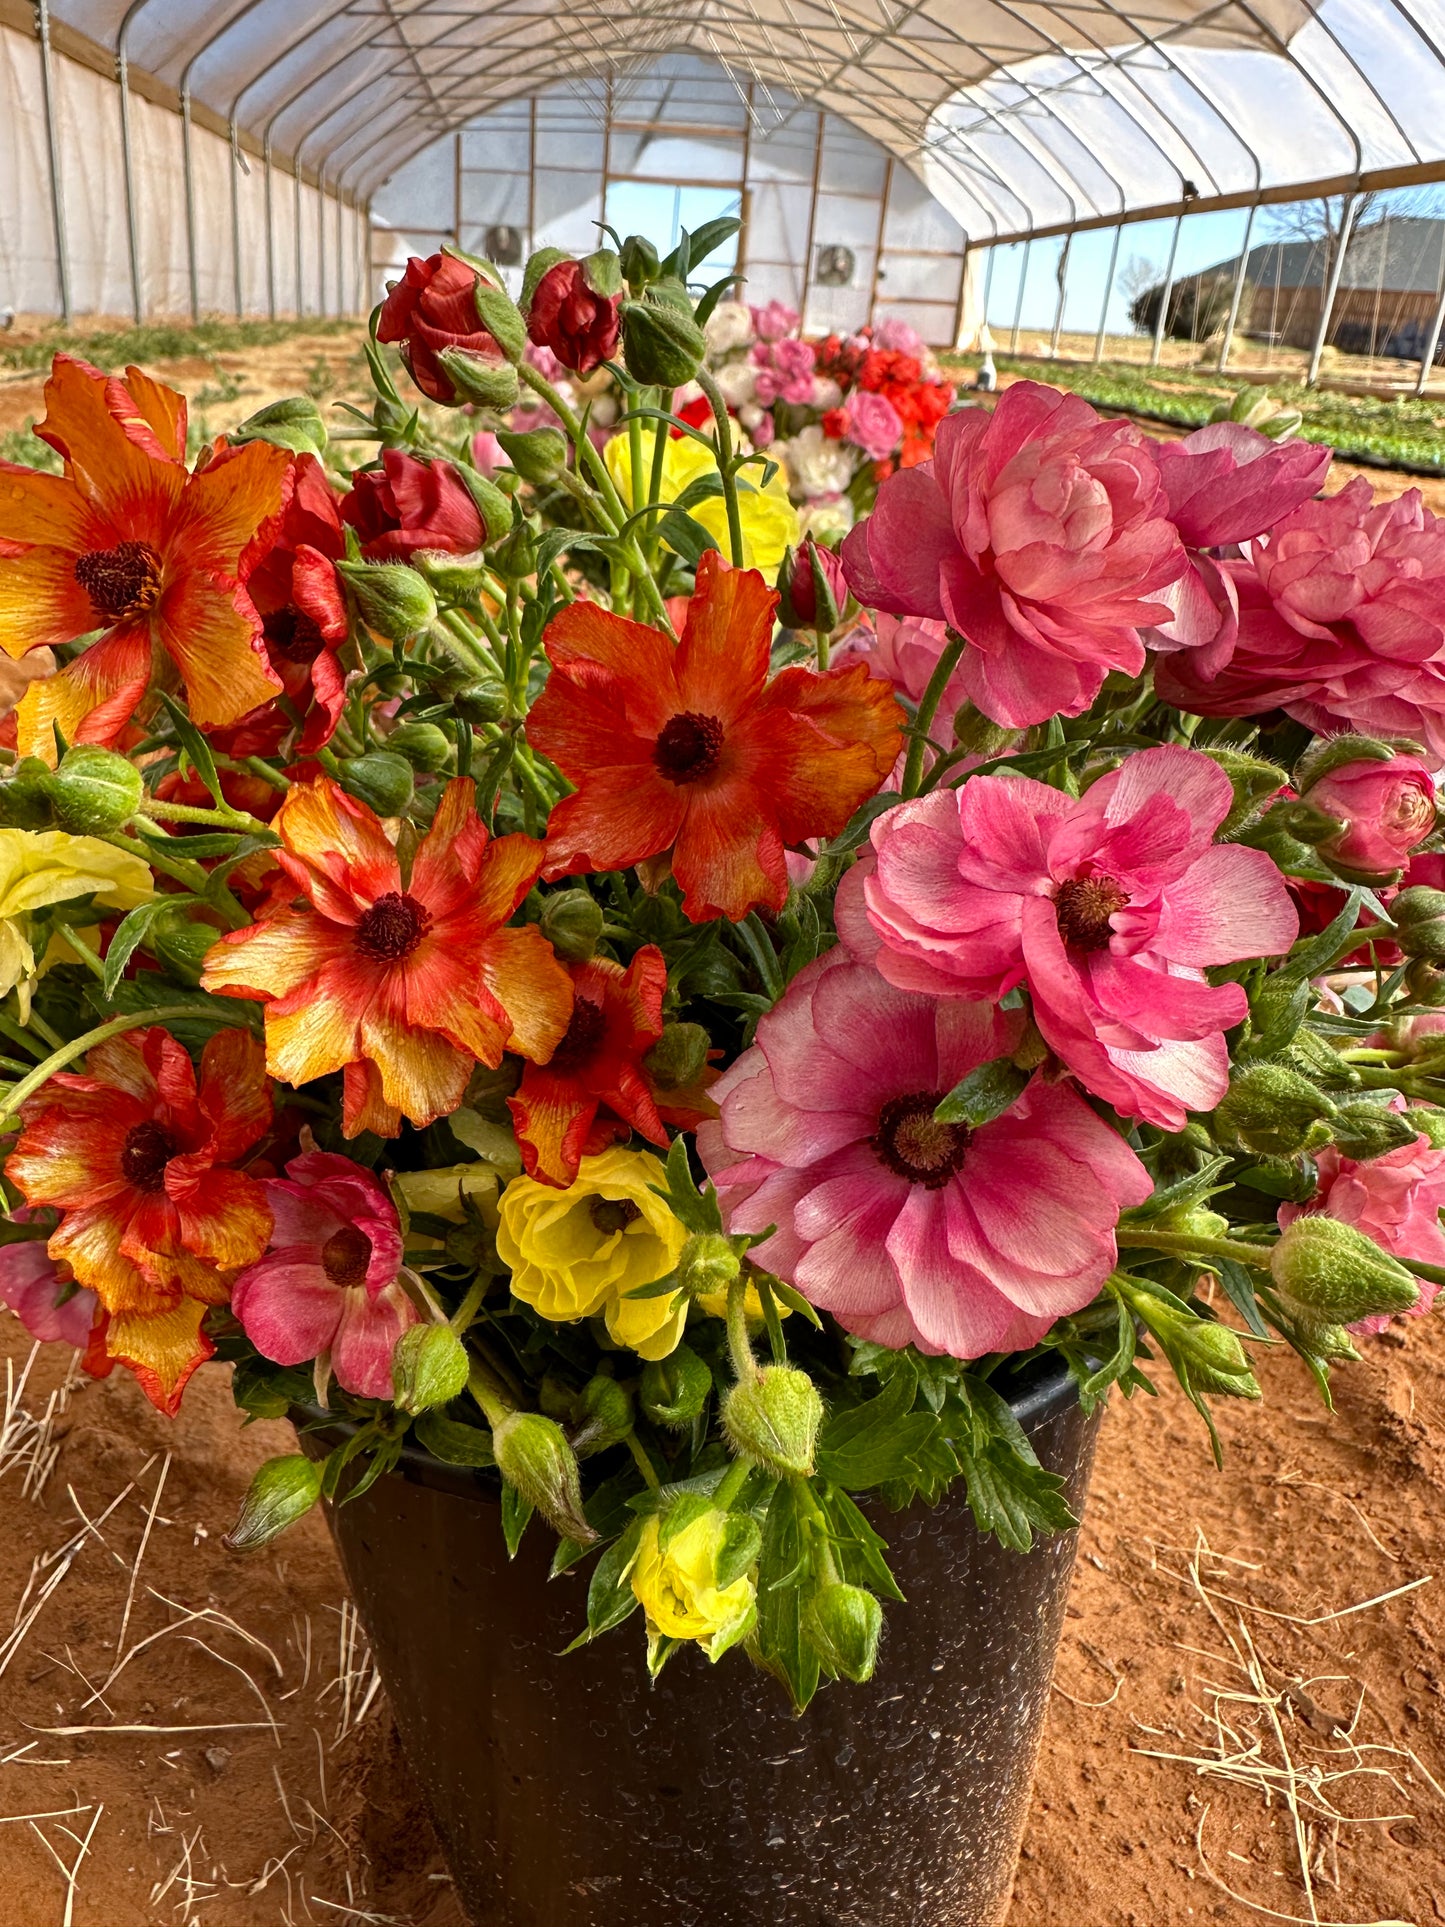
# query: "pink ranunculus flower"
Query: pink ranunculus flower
1039,532
1395,1199
774,320
488,455
895,336
1385,806
1341,623
873,424
784,372
908,1231
1109,907
328,1284
30,1286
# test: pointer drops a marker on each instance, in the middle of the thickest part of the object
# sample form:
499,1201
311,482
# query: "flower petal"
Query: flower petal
162,1349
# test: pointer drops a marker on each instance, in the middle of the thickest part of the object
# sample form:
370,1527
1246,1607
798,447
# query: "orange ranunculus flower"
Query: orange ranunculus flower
154,1218
129,543
403,984
693,749
594,1089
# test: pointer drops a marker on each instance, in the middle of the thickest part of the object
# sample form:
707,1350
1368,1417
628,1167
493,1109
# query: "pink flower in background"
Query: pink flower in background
763,432
328,1284
1384,806
29,1286
1341,623
872,423
1109,908
784,372
895,336
488,455
1039,532
538,355
1395,1199
774,320
908,1231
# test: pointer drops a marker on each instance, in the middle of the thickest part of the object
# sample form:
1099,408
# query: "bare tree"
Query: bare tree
1320,223
1137,276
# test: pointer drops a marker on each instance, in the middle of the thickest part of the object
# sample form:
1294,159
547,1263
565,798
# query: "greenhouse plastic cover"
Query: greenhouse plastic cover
1020,117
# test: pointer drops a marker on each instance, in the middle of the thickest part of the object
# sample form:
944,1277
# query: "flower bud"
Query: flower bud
429,1367
453,578
294,423
675,1389
182,943
478,379
481,702
978,734
1425,983
1329,1272
605,1416
516,556
283,1491
1253,780
639,262
381,780
1429,1122
25,797
537,266
391,599
843,1625
773,1419
539,455
1216,1360
1418,915
678,1058
502,319
424,746
707,1264
813,589
536,1460
493,504
94,791
1273,1112
663,345
1364,1131
572,922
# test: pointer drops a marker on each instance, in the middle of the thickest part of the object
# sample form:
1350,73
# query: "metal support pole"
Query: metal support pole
300,282
1013,340
1427,360
237,290
57,192
341,304
321,241
1108,297
812,223
1161,319
1327,306
188,173
1238,293
132,237
1062,275
883,201
270,234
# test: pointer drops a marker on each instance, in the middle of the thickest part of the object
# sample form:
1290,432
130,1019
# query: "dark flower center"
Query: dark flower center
689,747
123,581
585,1031
148,1149
614,1214
346,1255
914,1146
1084,906
293,635
392,928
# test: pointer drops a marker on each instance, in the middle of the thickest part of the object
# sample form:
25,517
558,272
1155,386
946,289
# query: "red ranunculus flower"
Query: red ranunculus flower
432,307
692,749
411,506
594,1089
294,585
579,326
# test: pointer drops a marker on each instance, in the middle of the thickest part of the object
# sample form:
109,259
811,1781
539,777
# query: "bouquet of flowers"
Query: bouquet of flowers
473,968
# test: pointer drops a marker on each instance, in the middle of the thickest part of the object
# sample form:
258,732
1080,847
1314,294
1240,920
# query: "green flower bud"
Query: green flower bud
391,599
843,1624
481,702
182,943
25,797
1273,835
605,1416
1273,1112
572,922
429,1367
1216,1360
493,504
94,791
380,779
1329,753
478,379
424,746
675,1389
707,1264
772,1419
663,344
502,319
539,455
538,1463
516,557
1330,1273
294,423
978,734
602,271
1425,983
453,578
1429,1122
1364,1131
679,1057
283,1491
639,262
1418,915
1318,1060
1253,780
395,425
537,266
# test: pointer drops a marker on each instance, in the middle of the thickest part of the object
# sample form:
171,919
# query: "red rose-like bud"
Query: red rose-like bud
813,588
433,307
412,506
579,326
1385,808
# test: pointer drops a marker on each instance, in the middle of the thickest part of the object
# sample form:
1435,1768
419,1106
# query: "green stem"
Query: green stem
258,766
719,408
745,1366
18,1034
239,820
643,1462
82,950
927,710
1182,1245
78,1046
733,1481
467,1310
816,1527
487,1389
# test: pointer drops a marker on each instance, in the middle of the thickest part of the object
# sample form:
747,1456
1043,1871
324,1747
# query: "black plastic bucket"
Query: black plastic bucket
569,1791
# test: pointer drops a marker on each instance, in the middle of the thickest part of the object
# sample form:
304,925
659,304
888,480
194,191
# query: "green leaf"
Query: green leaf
130,934
782,1598
881,1440
857,1547
685,537
197,749
986,1093
610,1598
1239,1288
608,1512
695,248
556,541
263,1390
702,314
696,1209
1009,1492
794,1300
452,1442
516,1511
150,990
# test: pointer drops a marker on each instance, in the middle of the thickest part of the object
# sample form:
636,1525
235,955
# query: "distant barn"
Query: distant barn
1389,288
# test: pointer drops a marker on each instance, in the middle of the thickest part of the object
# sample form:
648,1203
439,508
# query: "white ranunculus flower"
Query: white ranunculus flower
738,383
827,518
826,393
729,326
750,415
817,466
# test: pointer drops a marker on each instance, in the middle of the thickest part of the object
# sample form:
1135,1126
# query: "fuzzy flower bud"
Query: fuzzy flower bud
453,578
1418,915
25,797
94,791
1383,805
708,1264
843,1624
679,1057
675,1389
571,921
481,702
773,1419
380,779
639,262
539,455
429,1367
604,1418
663,344
477,379
182,943
1273,1112
391,599
424,746
536,1460
283,1491
1329,1272
1364,1131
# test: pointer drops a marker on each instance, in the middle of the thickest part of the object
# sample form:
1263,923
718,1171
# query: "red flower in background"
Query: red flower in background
594,1089
412,506
692,749
432,307
580,326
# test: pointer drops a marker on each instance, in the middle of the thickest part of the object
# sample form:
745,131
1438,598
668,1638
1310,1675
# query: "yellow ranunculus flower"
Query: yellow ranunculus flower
440,1194
677,1585
579,1252
769,520
40,867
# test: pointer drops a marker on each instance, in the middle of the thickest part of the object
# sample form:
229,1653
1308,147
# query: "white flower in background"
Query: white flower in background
827,517
729,326
738,383
826,392
750,415
604,410
816,465
688,392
